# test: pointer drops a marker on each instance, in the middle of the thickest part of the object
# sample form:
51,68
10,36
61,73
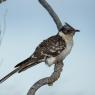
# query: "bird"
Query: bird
51,51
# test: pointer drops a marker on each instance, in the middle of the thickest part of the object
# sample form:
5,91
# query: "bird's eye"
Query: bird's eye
69,31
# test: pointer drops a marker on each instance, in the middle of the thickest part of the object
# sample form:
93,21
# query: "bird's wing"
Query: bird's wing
26,63
52,46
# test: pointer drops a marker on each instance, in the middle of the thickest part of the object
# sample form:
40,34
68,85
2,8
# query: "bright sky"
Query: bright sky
28,24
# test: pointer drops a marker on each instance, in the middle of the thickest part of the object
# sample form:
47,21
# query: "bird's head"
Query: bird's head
68,29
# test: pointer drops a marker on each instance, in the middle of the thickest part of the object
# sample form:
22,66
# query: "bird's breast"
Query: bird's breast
66,51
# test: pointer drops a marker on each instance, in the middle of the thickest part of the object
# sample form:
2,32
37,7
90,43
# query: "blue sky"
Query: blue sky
28,24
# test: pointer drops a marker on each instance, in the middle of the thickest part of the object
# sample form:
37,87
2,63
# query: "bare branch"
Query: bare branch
48,80
52,13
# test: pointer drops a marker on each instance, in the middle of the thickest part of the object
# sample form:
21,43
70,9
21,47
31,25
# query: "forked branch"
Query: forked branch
48,80
55,17
58,66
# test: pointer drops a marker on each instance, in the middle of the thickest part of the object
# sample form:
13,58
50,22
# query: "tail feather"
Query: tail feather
29,62
26,61
27,66
9,75
22,67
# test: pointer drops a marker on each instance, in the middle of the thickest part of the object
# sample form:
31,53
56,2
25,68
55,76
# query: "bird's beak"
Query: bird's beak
77,30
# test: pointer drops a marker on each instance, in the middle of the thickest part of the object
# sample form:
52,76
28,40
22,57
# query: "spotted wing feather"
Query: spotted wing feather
50,47
53,46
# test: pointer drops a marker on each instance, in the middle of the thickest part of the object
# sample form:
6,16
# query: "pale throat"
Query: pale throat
67,38
69,44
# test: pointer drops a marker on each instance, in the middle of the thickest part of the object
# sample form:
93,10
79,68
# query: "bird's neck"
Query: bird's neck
65,37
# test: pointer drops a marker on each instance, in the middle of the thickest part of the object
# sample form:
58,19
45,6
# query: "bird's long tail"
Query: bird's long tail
22,66
9,75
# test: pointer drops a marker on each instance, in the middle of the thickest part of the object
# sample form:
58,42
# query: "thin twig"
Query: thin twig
48,80
55,17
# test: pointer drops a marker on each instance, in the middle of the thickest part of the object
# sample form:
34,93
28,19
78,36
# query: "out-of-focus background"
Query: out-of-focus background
28,24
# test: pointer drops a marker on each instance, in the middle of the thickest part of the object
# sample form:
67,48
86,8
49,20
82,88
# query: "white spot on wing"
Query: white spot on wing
50,61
